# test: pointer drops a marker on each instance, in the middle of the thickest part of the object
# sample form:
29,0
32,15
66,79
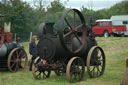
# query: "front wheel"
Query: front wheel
37,72
75,69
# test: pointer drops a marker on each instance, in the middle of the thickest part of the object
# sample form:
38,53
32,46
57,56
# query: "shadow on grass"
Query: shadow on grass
3,70
63,78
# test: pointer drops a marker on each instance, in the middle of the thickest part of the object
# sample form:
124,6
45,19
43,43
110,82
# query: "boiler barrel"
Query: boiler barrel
6,49
3,50
50,48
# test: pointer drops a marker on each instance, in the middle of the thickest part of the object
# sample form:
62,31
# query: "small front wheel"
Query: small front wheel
37,73
75,69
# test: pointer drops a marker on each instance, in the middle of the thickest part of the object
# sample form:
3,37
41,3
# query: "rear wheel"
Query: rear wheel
106,34
95,62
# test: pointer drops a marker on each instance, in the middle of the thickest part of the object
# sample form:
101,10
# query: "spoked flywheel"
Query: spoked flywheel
72,30
95,62
37,71
17,59
75,69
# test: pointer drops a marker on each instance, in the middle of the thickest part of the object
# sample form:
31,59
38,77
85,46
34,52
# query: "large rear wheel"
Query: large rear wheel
95,62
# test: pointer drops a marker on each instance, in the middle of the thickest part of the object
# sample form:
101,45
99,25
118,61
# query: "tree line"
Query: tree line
26,18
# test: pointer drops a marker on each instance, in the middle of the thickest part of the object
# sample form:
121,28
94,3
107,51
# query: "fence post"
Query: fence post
30,36
15,37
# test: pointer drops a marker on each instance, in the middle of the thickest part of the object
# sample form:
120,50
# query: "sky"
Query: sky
96,4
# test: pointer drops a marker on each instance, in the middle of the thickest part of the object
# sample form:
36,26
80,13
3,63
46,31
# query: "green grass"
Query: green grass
116,51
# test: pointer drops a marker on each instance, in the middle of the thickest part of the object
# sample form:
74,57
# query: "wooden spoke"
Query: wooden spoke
79,27
67,34
78,38
68,23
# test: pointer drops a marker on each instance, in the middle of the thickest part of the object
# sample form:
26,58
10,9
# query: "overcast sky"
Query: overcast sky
96,4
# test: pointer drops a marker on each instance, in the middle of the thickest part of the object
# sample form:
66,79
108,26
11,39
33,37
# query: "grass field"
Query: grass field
116,50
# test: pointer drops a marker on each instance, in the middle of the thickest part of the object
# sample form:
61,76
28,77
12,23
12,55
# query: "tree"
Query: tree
21,16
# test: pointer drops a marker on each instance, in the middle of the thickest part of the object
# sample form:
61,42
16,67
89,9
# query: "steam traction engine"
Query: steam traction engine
12,55
69,50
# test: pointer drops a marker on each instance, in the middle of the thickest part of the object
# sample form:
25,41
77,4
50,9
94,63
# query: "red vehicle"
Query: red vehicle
105,27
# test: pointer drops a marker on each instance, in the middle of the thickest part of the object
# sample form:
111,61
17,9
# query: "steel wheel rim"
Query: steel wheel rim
96,70
73,75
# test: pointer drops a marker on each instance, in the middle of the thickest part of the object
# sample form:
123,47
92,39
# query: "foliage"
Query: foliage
26,18
117,9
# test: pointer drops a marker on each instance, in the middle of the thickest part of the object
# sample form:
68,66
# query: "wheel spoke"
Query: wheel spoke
16,67
67,34
17,55
78,38
98,51
38,74
14,57
68,23
20,53
79,27
93,69
100,56
13,64
77,63
44,75
98,69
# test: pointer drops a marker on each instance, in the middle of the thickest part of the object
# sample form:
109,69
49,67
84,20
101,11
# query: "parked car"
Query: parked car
106,28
